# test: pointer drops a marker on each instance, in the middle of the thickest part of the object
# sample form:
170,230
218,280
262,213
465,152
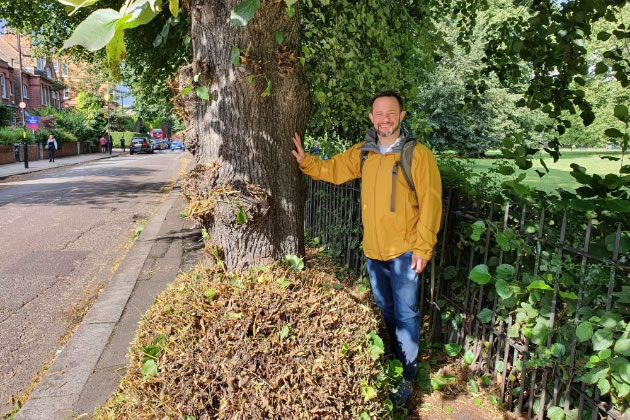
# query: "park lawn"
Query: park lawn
559,173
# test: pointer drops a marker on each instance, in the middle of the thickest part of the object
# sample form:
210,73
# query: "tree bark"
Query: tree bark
242,136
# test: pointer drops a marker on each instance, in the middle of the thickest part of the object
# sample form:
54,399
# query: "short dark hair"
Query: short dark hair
391,94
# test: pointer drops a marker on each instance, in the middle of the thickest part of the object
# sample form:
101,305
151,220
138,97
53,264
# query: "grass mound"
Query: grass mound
269,343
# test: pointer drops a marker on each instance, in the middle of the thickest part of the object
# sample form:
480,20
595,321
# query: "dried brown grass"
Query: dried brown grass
226,356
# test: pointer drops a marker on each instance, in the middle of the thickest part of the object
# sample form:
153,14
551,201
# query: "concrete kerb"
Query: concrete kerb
61,385
25,171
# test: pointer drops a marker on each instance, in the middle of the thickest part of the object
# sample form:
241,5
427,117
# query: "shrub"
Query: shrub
127,135
14,135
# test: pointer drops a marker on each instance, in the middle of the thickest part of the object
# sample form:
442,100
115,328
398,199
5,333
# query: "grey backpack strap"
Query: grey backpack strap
364,155
406,158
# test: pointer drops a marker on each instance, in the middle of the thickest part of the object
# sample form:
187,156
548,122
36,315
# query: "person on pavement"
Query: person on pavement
122,143
400,225
51,147
103,143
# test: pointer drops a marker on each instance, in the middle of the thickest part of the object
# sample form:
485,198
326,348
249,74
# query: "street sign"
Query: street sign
22,105
32,122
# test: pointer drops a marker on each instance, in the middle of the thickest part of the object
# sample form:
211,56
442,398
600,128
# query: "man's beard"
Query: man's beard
389,132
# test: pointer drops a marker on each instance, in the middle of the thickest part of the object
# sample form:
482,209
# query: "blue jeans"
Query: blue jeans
395,290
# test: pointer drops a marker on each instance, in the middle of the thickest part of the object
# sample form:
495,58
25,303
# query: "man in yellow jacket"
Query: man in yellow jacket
400,225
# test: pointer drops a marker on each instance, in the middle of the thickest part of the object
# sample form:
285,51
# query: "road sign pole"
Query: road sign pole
22,104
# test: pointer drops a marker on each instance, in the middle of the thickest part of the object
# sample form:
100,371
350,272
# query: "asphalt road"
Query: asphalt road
62,234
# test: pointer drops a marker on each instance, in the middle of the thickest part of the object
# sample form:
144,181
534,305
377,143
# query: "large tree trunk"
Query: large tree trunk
243,139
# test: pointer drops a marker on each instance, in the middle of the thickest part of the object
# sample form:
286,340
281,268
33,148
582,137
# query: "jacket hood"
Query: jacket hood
371,141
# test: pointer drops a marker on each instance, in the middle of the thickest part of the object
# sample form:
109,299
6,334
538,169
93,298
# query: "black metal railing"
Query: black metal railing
574,256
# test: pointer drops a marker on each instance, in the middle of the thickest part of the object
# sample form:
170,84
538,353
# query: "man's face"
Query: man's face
386,116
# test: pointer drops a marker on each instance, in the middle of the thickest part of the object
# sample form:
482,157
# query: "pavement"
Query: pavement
90,366
11,169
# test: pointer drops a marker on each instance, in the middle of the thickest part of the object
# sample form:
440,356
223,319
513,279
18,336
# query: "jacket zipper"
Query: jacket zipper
378,246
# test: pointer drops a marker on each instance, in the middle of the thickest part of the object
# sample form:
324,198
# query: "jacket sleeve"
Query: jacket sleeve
338,169
429,190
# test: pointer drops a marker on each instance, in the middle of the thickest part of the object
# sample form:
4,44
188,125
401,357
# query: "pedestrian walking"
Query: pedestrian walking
122,143
401,196
51,147
103,143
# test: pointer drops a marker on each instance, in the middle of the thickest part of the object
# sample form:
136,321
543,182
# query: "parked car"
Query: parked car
156,144
177,145
140,145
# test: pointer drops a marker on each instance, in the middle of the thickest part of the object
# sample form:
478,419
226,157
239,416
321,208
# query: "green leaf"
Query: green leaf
438,382
473,385
555,413
235,56
368,392
506,170
267,91
602,339
604,386
621,113
621,368
478,228
514,331
592,376
603,36
485,315
279,37
290,3
285,331
503,289
604,354
613,132
297,263
115,50
202,92
469,356
540,332
584,331
505,271
77,4
283,282
568,295
539,284
375,345
394,368
452,349
601,68
173,6
242,14
149,369
499,366
480,274
186,90
364,416
241,217
140,12
95,31
622,346
210,293
290,12
320,97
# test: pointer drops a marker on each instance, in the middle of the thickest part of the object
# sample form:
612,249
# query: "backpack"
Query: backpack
406,157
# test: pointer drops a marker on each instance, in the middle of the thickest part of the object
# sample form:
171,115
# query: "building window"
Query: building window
41,62
56,66
66,93
25,91
48,72
64,69
11,88
3,83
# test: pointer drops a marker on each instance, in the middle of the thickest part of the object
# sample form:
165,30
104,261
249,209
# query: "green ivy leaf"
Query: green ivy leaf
235,56
540,332
568,295
602,339
478,228
297,263
279,37
368,392
210,293
584,331
394,368
592,376
242,14
438,382
285,331
622,346
603,36
503,289
202,92
604,386
290,3
452,349
621,368
267,91
514,331
480,274
320,97
149,369
375,345
555,413
539,284
505,271
469,356
485,315
601,68
499,366
290,12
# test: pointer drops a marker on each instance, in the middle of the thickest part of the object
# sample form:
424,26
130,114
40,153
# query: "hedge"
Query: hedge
128,135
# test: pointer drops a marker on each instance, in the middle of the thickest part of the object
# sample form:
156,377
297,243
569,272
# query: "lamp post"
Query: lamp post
107,97
19,47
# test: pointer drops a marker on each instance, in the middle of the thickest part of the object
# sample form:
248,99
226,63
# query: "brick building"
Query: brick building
41,86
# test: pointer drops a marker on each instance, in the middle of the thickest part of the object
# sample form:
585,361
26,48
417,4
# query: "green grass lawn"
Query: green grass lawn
559,172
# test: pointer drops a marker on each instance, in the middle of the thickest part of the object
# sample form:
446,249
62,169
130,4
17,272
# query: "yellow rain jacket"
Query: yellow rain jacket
408,221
